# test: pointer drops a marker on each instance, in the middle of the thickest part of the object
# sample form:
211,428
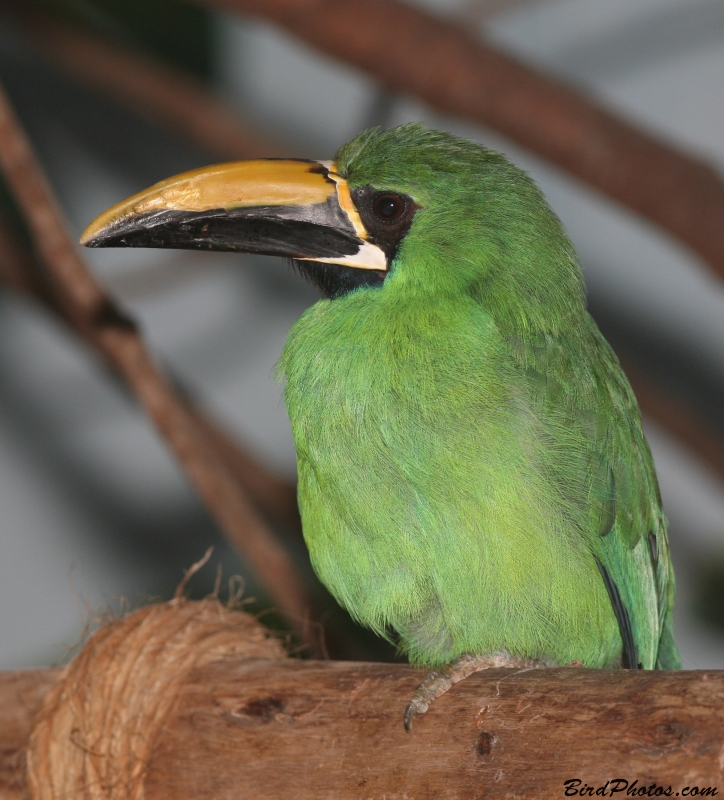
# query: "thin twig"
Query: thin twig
17,267
416,53
96,317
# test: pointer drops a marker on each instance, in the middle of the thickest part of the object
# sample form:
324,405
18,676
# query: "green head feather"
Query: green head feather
472,469
483,229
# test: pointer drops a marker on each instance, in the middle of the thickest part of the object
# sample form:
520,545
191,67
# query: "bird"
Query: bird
474,480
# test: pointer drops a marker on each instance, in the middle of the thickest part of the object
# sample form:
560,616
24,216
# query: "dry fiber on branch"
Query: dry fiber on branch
95,735
191,700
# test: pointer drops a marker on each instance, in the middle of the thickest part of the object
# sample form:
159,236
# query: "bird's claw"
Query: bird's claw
438,682
416,706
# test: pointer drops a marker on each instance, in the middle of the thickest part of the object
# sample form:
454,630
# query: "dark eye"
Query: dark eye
389,207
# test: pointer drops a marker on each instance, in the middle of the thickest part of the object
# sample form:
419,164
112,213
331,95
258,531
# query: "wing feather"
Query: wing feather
603,465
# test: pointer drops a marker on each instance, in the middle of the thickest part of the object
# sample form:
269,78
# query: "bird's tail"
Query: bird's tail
668,656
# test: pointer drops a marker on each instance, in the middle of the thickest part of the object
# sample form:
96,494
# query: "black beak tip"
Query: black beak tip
125,233
111,236
107,240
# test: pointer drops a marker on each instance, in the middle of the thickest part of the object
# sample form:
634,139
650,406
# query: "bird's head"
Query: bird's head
405,210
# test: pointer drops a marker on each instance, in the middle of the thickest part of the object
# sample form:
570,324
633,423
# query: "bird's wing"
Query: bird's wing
603,466
635,549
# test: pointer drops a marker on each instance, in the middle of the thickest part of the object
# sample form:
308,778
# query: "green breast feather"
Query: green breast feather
473,477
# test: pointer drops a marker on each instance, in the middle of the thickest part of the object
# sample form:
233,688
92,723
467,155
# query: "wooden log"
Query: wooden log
308,729
334,730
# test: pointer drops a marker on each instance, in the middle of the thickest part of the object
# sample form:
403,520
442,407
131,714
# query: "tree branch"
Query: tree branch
92,312
165,95
274,496
325,730
337,729
678,418
411,51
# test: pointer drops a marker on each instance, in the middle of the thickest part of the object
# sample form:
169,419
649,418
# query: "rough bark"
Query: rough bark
330,730
305,729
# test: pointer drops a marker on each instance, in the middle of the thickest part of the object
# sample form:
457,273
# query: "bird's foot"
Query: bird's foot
440,680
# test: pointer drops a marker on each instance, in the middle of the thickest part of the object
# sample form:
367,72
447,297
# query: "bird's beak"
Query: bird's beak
299,209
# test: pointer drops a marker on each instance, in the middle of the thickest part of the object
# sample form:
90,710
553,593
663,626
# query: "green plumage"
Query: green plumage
467,443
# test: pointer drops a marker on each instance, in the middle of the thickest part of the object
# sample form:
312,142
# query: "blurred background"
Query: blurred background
93,506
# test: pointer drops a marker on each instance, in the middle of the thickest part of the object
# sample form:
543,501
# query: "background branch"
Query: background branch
94,315
274,496
678,418
167,96
411,51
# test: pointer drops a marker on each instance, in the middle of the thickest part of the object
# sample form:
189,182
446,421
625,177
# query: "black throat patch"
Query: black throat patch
335,280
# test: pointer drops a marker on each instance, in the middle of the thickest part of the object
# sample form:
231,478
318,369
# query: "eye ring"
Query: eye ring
389,207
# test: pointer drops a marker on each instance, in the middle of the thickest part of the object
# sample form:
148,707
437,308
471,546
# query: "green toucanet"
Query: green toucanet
473,475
